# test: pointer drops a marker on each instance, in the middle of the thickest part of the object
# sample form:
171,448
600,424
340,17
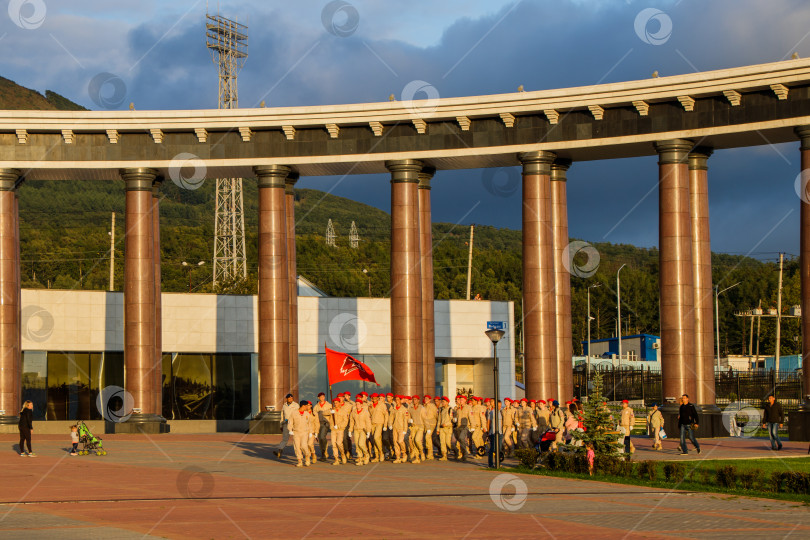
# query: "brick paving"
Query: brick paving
230,486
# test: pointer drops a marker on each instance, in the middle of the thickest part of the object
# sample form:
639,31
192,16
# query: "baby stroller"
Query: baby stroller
90,443
546,440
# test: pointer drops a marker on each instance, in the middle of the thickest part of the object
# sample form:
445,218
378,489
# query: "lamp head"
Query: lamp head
494,335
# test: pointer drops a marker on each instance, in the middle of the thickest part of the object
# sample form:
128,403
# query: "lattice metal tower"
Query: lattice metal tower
228,42
331,235
354,236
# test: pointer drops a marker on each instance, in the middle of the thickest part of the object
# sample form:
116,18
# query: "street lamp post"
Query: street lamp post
618,323
717,318
588,364
495,336
189,267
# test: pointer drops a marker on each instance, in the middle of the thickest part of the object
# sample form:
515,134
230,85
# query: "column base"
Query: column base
266,423
150,424
8,424
799,424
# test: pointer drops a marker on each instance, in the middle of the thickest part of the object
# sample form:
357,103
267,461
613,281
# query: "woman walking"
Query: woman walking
26,426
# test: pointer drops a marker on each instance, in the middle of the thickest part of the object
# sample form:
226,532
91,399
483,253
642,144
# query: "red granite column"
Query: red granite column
676,271
274,288
157,371
293,280
139,302
406,274
804,264
10,360
702,275
562,280
426,246
539,321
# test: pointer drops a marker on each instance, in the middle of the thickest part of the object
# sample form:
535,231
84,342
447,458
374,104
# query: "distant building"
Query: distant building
639,347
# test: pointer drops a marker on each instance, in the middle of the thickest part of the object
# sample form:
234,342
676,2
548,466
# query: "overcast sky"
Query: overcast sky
314,52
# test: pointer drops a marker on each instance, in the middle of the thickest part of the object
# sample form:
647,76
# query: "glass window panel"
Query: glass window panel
192,387
231,386
95,384
312,377
35,381
168,394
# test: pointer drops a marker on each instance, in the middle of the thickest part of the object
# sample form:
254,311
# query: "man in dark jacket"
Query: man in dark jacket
687,423
773,419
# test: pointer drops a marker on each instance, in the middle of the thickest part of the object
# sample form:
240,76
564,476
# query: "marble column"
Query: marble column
562,280
804,260
702,276
289,197
139,302
676,281
10,359
274,287
158,365
539,321
406,275
426,246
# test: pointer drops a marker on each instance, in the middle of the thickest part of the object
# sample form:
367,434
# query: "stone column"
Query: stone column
799,421
158,365
676,271
426,246
10,359
139,303
562,280
274,287
539,321
406,274
293,280
702,276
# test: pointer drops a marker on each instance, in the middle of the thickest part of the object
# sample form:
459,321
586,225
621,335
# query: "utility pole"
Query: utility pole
779,313
759,322
619,316
469,262
112,253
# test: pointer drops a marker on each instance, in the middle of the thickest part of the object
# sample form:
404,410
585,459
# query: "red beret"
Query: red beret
532,401
364,393
523,399
389,394
623,401
445,398
359,399
309,403
461,397
415,396
321,394
568,403
543,401
427,397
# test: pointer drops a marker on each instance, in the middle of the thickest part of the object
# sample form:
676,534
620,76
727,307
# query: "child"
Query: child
74,439
590,455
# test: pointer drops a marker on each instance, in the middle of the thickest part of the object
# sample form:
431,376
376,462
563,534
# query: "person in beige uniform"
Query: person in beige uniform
299,427
313,431
430,418
542,415
477,425
627,420
379,422
417,433
445,423
655,421
399,424
461,417
359,428
525,423
340,416
557,423
322,410
507,426
287,409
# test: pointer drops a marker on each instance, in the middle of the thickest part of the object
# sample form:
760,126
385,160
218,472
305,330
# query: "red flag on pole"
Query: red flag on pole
344,367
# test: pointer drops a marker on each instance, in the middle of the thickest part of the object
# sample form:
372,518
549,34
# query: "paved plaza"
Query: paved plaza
230,486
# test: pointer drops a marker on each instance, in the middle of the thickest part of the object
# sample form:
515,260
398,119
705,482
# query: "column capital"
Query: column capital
559,169
803,133
289,182
674,151
404,170
538,162
9,179
425,176
699,158
138,178
272,176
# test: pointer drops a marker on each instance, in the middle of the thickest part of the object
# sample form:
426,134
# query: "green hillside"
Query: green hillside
67,246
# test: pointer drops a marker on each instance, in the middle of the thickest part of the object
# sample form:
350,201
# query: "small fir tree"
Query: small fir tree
599,427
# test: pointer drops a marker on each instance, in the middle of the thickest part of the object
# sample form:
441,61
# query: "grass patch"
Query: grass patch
787,479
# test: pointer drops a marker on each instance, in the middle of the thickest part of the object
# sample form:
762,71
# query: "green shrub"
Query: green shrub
748,479
797,482
625,468
527,456
579,463
604,464
726,476
775,482
647,470
674,472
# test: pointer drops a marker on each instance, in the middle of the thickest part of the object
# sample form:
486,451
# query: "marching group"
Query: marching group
403,429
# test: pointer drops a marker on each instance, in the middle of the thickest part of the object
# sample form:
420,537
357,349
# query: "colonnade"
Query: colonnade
685,281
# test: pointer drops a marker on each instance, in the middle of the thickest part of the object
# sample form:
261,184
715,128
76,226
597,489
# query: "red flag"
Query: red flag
344,367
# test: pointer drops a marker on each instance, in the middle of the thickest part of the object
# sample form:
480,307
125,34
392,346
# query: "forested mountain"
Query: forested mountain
65,243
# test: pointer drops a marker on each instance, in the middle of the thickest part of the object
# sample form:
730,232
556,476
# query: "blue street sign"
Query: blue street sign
496,325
